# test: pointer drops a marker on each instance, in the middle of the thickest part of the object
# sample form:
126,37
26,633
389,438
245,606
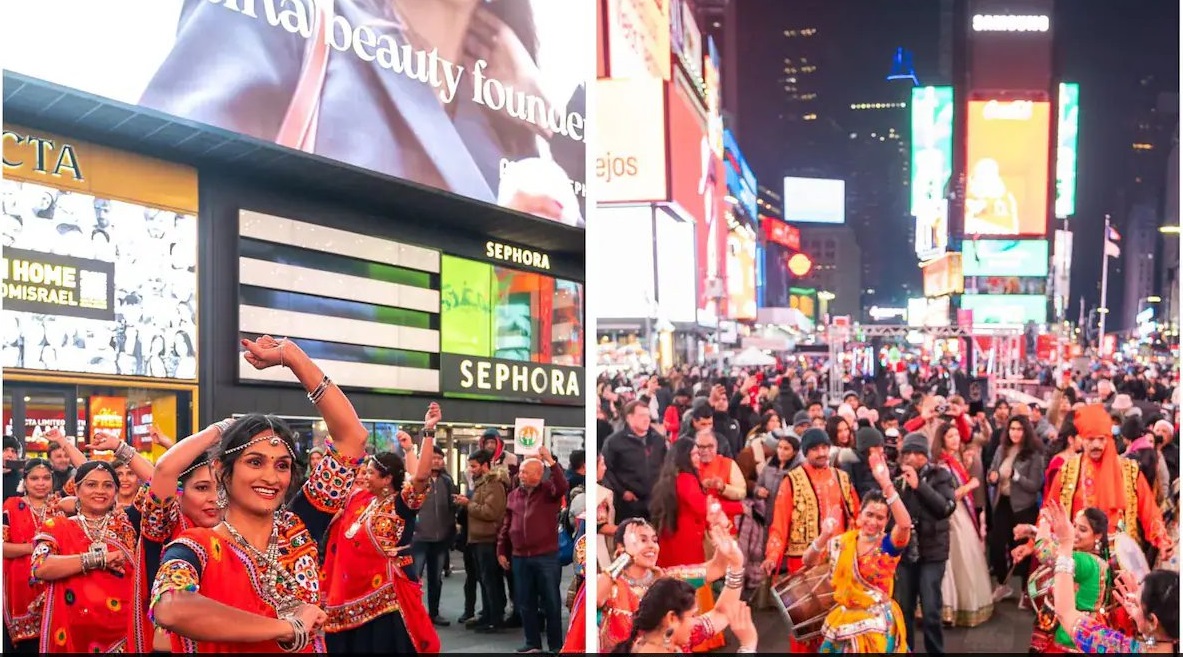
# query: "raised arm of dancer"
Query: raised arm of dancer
108,441
181,455
421,477
349,435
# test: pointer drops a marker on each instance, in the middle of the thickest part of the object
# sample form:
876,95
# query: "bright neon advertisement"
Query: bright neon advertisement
932,165
1066,132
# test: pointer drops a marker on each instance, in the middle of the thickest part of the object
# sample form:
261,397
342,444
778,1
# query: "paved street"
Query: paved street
1008,631
457,639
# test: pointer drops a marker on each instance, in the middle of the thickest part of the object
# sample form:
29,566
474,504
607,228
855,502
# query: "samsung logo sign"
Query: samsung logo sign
1007,23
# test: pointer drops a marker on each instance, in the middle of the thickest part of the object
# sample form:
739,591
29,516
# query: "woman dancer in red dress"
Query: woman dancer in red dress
182,495
251,584
24,518
86,563
373,602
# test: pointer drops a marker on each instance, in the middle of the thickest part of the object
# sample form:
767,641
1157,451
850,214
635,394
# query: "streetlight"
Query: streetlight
1169,230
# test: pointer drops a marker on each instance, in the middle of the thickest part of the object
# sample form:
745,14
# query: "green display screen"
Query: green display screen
1066,131
466,317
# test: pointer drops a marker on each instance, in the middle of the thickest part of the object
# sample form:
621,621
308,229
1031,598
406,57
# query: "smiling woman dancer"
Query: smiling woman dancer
182,495
85,562
865,619
371,598
24,518
619,589
251,584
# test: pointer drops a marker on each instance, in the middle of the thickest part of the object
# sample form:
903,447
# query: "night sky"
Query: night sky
1108,46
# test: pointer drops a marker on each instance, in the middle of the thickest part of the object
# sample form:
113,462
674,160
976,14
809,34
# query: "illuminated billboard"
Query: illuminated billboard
355,82
932,146
630,153
815,201
741,182
639,38
1068,126
932,165
1007,168
943,276
1005,309
741,274
1004,258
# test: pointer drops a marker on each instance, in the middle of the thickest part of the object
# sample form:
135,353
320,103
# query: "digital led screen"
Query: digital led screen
814,200
1006,285
97,286
741,275
1004,258
1005,309
741,182
932,165
1007,168
460,122
1067,129
507,314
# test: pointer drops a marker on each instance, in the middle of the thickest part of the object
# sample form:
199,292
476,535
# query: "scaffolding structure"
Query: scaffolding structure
1002,356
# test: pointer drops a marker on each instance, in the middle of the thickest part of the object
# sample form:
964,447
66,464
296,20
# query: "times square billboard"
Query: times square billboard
1010,44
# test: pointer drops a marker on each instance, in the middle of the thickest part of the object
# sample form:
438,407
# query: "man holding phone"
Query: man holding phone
12,466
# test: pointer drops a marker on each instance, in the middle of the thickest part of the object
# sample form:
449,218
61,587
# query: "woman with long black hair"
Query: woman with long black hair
1152,605
1091,574
24,518
680,507
251,583
1017,475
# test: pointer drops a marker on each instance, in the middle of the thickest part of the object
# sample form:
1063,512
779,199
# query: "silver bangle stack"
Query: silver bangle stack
301,639
1065,565
315,395
125,452
94,559
733,579
223,425
743,650
895,497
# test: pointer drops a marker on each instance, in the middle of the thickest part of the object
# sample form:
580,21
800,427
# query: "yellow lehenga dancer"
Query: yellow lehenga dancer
866,618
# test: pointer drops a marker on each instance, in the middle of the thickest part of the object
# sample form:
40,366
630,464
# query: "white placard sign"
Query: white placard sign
528,435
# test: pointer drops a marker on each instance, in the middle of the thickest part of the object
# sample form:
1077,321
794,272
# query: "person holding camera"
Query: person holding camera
928,495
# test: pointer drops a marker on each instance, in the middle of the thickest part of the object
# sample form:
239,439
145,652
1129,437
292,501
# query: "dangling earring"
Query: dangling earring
223,498
1097,546
668,639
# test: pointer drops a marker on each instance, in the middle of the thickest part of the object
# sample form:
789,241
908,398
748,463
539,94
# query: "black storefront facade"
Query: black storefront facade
516,372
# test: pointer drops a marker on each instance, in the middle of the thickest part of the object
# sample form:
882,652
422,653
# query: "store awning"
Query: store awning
39,104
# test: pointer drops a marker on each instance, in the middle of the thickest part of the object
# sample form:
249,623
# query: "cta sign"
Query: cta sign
48,284
511,379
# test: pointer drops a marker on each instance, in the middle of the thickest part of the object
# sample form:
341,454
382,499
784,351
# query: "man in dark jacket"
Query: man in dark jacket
633,458
528,547
867,441
927,492
435,529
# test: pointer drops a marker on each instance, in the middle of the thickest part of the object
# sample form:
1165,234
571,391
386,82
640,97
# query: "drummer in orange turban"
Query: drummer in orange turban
1100,478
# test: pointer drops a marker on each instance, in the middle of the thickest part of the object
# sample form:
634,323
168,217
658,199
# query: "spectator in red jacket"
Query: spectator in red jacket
528,547
674,412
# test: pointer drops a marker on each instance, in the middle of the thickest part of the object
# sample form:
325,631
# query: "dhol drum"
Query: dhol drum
1129,556
804,599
